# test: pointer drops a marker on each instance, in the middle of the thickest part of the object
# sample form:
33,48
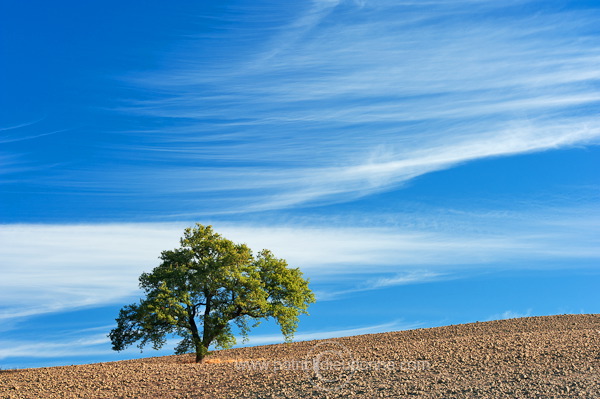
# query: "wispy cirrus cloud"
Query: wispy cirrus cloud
410,277
82,344
307,336
329,101
345,99
53,268
13,162
510,314
50,349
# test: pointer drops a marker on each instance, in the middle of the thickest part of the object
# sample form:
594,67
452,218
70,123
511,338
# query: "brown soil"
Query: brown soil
534,357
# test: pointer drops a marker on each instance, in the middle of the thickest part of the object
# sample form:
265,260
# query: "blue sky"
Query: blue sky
424,162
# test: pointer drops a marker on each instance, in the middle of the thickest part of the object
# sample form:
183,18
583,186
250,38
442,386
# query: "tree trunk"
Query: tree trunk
200,353
201,350
203,344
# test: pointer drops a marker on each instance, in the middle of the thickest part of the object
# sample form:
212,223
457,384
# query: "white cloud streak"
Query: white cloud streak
96,344
350,99
411,277
53,268
52,349
308,336
16,162
509,314
50,268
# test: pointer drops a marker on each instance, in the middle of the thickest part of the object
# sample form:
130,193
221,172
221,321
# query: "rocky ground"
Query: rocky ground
534,357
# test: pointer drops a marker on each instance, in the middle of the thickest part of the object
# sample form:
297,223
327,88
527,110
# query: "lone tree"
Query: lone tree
202,288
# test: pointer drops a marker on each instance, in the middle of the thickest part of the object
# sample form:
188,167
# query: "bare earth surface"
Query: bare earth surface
534,357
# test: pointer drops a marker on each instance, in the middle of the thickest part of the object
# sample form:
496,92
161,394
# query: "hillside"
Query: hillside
533,357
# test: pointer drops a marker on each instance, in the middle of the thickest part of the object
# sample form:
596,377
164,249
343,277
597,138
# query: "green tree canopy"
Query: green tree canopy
206,286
